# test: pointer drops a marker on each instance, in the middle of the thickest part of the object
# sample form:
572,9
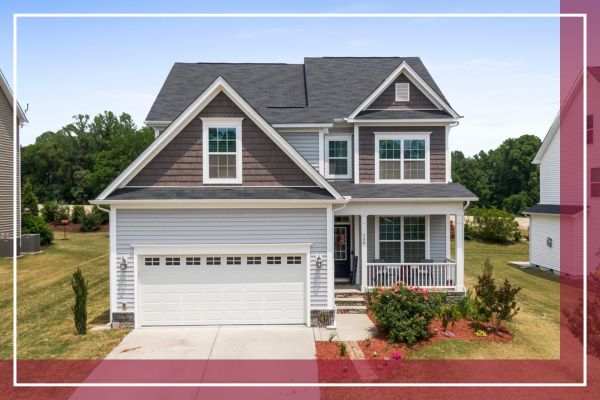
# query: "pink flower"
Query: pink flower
396,356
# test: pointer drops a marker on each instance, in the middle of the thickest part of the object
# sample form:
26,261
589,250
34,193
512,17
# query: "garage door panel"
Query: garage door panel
222,294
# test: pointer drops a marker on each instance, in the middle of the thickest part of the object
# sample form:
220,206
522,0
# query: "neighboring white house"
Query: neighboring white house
548,216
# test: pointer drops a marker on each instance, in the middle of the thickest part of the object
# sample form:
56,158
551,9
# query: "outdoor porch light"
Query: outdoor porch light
123,263
319,262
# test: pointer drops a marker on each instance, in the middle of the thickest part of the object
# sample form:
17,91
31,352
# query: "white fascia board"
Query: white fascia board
547,140
219,85
411,200
11,99
416,80
221,248
402,122
307,125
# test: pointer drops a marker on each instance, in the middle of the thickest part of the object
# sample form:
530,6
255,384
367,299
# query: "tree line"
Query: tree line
503,177
75,163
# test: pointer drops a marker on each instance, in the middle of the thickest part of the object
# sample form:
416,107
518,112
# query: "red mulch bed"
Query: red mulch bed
378,347
330,351
75,228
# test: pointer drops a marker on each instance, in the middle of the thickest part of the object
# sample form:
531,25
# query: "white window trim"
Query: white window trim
349,162
427,235
397,100
402,136
222,123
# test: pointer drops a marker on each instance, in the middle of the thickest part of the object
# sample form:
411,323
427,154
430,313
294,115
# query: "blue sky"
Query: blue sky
501,74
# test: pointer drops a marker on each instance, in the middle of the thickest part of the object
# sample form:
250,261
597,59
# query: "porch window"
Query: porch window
401,239
222,157
595,182
401,158
338,158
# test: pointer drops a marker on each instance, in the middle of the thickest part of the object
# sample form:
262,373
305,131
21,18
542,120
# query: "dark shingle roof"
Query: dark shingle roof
404,191
319,90
221,193
554,209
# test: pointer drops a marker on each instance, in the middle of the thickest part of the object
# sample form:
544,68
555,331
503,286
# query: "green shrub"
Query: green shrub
49,210
517,203
342,348
449,314
29,201
466,306
91,221
36,224
495,304
468,232
79,309
78,214
404,313
61,213
495,225
102,215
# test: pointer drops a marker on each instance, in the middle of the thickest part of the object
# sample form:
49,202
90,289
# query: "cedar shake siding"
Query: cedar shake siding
387,99
437,151
180,162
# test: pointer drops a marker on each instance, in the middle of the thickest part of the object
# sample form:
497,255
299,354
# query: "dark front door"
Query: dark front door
341,251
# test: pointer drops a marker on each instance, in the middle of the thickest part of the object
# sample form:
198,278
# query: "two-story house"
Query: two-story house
9,134
269,184
560,210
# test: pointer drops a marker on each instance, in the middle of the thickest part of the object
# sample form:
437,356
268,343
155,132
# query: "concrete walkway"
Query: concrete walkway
348,327
283,342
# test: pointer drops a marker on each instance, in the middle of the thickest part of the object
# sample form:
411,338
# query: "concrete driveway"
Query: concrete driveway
217,343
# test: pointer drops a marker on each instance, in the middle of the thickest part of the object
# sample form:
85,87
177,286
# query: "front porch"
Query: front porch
385,244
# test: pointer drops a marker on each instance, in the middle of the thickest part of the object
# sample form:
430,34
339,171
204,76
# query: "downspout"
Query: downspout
466,205
106,210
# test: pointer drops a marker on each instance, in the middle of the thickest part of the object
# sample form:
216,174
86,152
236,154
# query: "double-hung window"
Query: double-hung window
222,150
401,239
338,157
595,182
401,157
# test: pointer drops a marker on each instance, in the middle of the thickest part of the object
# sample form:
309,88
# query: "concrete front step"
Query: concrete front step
341,293
350,301
351,309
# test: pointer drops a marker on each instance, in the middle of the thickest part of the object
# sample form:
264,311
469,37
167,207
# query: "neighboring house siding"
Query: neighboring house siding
437,237
387,99
307,144
543,227
550,173
6,166
437,150
200,226
180,162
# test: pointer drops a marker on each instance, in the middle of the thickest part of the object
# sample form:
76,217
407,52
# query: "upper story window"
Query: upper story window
222,150
401,157
590,129
595,182
338,157
402,91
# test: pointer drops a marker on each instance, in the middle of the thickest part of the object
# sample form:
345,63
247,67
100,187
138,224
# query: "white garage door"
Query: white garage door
215,290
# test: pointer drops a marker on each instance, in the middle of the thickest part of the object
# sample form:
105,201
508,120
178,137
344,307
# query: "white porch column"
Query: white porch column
330,260
460,252
363,251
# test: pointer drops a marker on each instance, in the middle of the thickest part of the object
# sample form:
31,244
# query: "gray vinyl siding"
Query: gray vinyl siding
201,226
307,144
437,237
6,167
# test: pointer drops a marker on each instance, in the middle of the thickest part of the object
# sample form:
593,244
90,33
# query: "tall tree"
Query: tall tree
75,163
503,177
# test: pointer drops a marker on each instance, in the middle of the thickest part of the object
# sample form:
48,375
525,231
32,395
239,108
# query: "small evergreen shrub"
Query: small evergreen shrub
495,225
36,224
91,221
468,232
49,210
102,215
78,214
29,201
405,313
342,348
61,213
80,289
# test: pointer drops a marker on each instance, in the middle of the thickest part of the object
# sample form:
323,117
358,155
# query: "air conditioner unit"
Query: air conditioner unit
30,243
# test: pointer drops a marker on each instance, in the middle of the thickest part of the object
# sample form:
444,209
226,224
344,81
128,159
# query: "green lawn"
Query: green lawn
45,322
536,327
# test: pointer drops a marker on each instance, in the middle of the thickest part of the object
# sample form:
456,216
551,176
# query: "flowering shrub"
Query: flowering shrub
404,312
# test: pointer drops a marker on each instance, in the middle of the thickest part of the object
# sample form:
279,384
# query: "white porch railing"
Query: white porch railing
439,275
